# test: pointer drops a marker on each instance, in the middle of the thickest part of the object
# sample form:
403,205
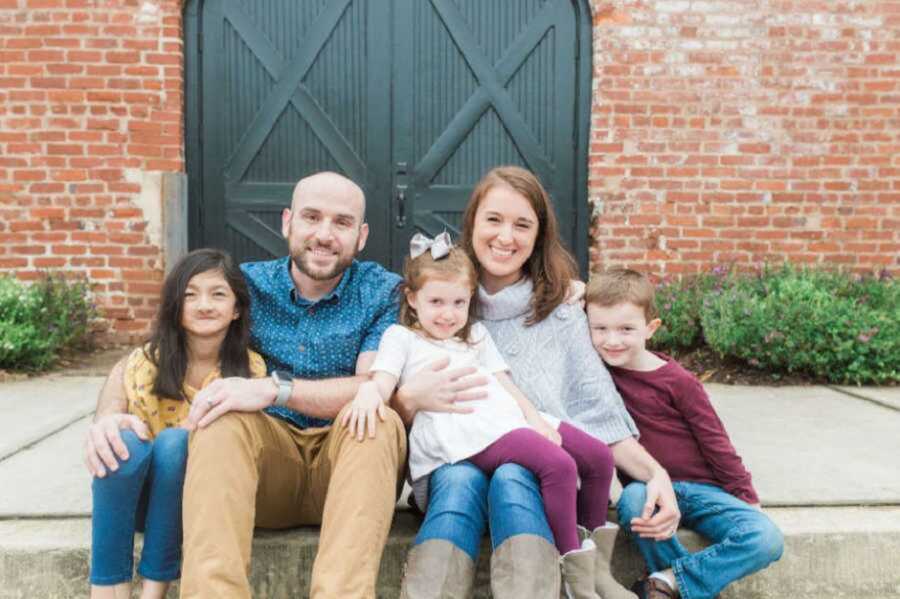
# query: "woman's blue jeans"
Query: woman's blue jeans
143,494
744,539
462,500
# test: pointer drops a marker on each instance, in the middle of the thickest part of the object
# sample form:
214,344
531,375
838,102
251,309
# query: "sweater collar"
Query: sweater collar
510,302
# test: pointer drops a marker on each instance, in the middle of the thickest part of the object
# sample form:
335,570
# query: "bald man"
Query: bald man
264,451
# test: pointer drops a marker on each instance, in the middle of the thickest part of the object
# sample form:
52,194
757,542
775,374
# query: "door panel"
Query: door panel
413,99
490,83
293,94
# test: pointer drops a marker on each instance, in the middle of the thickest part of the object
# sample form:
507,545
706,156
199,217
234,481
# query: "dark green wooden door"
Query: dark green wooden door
413,99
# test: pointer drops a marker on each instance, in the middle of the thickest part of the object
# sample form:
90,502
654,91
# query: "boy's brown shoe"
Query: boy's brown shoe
653,588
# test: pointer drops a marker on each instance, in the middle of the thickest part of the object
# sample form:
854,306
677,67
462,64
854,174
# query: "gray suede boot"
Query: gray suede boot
525,566
437,569
578,572
606,586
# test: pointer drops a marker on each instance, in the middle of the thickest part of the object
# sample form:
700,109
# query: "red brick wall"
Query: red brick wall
722,131
91,97
741,131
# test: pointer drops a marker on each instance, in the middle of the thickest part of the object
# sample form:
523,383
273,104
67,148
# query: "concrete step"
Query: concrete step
834,552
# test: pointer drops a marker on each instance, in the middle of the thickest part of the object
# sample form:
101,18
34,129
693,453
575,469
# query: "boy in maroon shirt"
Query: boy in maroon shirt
680,428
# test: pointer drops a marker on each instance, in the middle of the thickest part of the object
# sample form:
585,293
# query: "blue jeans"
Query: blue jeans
462,500
744,540
143,494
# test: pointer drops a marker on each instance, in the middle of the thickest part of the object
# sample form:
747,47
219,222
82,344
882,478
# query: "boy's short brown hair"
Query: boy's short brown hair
623,285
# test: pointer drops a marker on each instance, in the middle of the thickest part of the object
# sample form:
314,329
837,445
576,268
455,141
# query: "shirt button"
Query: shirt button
310,311
302,347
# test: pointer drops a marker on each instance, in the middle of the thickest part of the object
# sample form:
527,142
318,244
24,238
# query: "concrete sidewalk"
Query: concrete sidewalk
823,461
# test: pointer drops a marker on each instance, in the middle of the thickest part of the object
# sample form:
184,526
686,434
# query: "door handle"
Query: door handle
400,199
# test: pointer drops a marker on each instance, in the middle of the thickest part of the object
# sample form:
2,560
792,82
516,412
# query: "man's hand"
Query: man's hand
436,389
360,417
663,524
227,395
103,447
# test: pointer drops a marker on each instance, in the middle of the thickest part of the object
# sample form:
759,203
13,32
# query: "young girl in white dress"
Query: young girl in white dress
436,321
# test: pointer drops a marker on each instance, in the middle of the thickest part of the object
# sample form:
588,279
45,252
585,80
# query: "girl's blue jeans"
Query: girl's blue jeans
743,538
143,494
462,500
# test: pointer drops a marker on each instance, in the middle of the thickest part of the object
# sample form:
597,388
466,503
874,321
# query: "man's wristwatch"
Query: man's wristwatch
285,383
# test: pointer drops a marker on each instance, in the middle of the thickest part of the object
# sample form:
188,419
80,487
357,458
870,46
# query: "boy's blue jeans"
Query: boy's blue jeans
744,540
462,499
143,494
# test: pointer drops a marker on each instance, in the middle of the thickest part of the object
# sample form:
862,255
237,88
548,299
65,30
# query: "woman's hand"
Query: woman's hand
575,296
439,389
662,524
360,416
544,428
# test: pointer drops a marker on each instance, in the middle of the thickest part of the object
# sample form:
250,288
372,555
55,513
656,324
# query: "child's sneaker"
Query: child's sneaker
652,588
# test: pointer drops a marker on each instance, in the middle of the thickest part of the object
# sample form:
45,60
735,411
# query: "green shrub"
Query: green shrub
679,304
39,320
832,326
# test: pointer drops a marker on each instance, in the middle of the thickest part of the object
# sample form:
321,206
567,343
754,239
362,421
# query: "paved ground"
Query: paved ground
823,459
35,408
805,446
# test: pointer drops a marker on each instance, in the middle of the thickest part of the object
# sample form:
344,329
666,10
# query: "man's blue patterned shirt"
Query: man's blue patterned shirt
320,339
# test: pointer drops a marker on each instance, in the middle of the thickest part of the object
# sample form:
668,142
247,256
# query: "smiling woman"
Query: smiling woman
511,233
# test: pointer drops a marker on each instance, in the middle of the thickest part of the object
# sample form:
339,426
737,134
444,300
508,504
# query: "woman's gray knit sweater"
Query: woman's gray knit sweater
554,363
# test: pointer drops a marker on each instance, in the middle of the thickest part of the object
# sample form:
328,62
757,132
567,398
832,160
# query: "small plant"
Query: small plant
678,303
37,321
836,327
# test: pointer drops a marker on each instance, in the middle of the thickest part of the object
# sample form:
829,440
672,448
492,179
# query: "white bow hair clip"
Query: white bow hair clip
439,246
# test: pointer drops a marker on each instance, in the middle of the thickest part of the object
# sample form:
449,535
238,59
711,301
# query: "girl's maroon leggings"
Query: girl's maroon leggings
558,470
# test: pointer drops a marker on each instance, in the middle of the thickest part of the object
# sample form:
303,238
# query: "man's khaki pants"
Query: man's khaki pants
249,469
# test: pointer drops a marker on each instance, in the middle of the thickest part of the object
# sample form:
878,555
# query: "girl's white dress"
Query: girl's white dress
439,438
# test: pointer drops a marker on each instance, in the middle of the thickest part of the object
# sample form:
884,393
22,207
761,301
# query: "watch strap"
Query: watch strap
285,383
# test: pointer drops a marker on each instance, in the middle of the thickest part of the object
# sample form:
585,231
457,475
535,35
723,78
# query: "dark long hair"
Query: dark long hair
550,266
167,347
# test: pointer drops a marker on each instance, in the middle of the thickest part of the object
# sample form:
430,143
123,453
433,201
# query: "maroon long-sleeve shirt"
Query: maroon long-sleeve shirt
680,428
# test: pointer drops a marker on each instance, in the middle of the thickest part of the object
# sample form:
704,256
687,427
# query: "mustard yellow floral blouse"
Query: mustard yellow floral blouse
162,413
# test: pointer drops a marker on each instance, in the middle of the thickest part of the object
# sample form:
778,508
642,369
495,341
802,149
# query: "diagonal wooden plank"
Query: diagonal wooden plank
288,82
466,118
256,230
487,77
310,110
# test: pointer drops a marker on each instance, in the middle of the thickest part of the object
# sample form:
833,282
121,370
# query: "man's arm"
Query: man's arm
632,458
322,398
103,446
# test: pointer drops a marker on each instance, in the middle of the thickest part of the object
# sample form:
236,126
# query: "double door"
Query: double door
412,99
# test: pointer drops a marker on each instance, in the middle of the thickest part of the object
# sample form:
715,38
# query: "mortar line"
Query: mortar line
871,400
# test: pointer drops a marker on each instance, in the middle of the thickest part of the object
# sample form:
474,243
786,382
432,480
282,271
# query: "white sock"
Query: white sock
673,584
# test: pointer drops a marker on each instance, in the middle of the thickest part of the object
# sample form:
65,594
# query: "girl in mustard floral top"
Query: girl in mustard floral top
202,333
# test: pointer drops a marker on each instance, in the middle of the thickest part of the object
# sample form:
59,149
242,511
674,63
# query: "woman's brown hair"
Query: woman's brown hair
417,272
550,266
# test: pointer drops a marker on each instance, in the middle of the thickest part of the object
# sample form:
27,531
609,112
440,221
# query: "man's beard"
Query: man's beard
302,261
